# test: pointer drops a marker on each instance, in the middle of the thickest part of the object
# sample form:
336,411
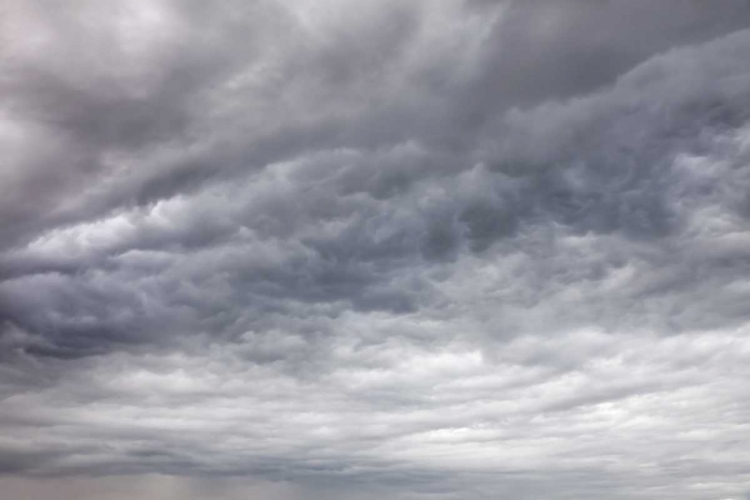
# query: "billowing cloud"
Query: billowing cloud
424,249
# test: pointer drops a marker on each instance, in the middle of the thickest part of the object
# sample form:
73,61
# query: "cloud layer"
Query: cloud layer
424,249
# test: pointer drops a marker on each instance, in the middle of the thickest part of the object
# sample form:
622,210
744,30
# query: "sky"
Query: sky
413,249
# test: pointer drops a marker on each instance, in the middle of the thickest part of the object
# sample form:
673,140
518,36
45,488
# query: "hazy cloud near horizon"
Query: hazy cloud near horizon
427,249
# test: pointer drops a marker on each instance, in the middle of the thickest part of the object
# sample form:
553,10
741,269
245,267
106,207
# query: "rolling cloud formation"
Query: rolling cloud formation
428,249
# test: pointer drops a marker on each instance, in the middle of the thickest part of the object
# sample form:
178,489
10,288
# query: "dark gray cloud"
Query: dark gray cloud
425,250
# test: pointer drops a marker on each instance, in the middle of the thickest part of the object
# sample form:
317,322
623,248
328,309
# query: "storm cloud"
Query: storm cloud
425,249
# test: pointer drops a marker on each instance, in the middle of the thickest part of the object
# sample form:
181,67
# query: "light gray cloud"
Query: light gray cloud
425,250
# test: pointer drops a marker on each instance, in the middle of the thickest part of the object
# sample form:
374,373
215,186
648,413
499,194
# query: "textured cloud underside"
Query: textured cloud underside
447,250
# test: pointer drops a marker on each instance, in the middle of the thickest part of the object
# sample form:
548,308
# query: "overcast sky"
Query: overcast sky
412,249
